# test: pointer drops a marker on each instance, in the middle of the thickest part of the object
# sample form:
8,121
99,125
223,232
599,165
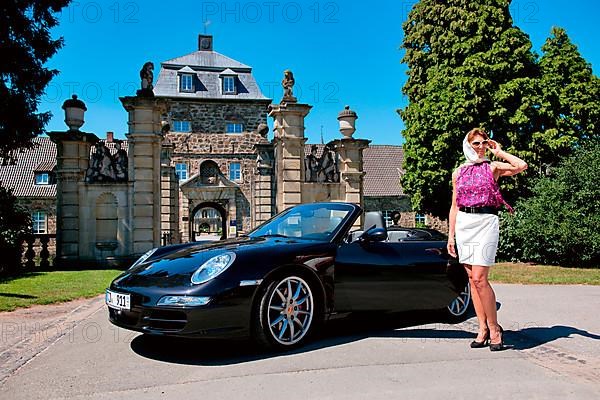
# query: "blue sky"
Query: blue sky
341,52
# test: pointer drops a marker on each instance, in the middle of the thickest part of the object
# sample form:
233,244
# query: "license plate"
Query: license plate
119,301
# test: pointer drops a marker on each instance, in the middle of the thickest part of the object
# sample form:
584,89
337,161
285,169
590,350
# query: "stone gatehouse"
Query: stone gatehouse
198,165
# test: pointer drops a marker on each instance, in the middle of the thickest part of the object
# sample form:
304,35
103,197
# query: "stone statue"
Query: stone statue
120,162
262,129
101,167
312,165
147,76
329,166
324,168
93,171
288,85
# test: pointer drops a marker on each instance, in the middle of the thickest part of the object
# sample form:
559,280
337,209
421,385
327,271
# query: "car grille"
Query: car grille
165,320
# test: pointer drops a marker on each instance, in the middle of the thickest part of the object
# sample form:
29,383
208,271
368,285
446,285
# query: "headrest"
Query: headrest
373,219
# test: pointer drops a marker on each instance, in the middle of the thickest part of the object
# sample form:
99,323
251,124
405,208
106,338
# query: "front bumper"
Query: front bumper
227,315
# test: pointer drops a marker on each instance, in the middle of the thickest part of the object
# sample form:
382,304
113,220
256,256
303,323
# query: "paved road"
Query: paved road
554,330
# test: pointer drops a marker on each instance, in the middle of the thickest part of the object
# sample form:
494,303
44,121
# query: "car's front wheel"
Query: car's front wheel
288,312
457,309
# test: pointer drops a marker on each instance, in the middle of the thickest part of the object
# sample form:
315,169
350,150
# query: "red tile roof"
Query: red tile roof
382,165
21,177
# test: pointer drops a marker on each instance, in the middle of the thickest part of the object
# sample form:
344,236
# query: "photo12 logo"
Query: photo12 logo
93,12
271,11
89,92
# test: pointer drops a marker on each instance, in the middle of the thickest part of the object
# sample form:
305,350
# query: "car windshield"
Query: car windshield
318,221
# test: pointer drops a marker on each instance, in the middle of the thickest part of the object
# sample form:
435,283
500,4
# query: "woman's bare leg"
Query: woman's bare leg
488,299
478,306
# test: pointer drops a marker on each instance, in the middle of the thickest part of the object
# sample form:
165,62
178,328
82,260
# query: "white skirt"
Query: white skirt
477,238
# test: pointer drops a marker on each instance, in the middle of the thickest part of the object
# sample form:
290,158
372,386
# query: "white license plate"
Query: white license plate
119,301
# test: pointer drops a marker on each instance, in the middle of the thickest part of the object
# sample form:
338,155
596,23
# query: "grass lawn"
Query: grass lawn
53,287
543,274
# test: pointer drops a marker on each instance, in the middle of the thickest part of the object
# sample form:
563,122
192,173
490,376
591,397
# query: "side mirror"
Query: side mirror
374,235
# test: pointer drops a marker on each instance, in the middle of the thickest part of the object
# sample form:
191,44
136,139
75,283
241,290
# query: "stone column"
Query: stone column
289,152
350,152
73,156
264,200
145,139
169,188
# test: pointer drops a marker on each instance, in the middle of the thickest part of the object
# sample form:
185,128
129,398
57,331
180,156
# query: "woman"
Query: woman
473,220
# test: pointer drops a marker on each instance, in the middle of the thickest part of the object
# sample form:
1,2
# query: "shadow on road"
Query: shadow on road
528,338
213,352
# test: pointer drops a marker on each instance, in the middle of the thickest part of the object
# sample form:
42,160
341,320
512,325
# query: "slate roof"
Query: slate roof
207,59
207,66
21,177
382,165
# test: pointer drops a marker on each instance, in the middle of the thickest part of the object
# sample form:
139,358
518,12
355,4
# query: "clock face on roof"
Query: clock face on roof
205,43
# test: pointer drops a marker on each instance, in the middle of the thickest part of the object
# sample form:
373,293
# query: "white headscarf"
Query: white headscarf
470,153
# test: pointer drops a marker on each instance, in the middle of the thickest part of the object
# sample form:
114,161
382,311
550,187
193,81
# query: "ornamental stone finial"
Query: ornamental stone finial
347,119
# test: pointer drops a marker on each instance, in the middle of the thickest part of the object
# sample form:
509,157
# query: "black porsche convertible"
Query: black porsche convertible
280,282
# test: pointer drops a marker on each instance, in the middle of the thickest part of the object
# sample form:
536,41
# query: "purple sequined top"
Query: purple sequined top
476,187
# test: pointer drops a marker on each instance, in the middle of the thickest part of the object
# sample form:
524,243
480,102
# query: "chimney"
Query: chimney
205,42
110,137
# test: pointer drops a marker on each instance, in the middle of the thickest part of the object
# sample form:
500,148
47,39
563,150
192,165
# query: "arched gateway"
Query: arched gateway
208,222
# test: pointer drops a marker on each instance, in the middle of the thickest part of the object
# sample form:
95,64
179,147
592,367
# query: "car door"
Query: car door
390,276
431,277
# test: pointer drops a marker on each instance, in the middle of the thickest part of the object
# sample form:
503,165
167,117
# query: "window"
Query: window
42,178
40,222
181,170
420,220
235,171
233,127
186,83
182,126
387,216
229,84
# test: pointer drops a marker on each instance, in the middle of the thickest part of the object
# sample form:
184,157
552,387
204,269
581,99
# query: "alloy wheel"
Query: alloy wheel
291,310
461,303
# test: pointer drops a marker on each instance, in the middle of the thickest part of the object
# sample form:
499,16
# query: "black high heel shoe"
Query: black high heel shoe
498,346
478,345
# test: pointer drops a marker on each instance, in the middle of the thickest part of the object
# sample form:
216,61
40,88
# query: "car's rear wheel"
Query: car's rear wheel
288,312
457,309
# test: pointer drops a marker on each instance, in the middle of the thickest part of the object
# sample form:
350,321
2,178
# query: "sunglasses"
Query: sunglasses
478,143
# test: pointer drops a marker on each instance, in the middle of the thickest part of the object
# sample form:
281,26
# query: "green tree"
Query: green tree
559,224
15,223
468,67
570,106
25,45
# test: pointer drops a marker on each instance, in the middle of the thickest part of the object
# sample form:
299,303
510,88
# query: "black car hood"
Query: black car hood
175,268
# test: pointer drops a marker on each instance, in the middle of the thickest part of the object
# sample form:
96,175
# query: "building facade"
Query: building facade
217,113
197,165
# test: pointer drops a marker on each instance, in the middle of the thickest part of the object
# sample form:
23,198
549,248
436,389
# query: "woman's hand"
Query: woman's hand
451,247
494,147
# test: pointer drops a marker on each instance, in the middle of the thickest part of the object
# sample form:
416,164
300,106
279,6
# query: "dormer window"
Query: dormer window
42,178
186,83
229,85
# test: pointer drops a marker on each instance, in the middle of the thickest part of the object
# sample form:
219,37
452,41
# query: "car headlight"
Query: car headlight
183,301
213,268
143,258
